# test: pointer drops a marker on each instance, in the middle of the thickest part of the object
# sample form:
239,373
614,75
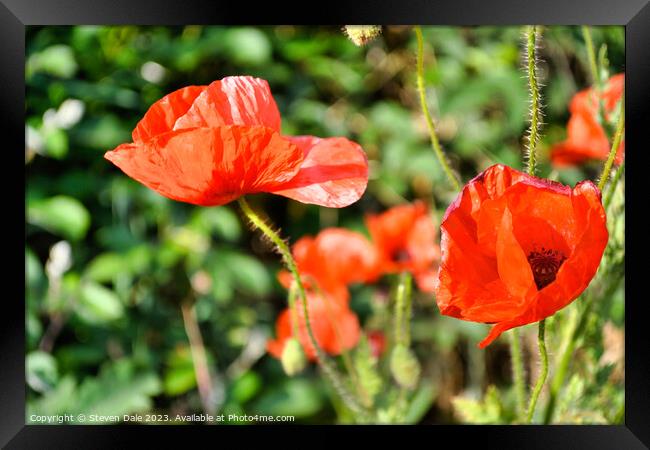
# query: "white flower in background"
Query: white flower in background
70,113
152,72
33,140
60,260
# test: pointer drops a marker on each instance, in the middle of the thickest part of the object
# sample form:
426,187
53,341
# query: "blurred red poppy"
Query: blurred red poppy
405,237
336,328
334,259
586,138
516,248
209,145
377,341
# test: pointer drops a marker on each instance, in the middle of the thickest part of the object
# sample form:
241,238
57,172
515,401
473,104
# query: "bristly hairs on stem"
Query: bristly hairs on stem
329,370
618,136
531,60
543,372
435,142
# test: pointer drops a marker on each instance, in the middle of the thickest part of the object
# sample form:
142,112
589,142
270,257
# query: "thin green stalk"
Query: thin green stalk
408,286
293,311
542,376
613,184
283,249
618,136
532,34
571,337
518,372
435,142
403,310
591,54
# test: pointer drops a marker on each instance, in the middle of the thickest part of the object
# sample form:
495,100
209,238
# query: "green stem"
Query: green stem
293,311
613,184
518,371
199,356
403,310
542,376
562,366
618,136
591,54
533,87
435,142
283,249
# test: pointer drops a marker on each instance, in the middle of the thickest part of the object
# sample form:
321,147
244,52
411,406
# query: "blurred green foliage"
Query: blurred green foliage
109,262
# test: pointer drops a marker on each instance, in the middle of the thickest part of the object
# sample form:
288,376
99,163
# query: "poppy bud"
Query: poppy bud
293,357
360,35
405,367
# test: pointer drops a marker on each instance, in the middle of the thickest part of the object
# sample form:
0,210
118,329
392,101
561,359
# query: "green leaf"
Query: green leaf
246,387
421,402
98,305
296,397
247,273
487,411
42,372
179,380
57,60
220,220
33,269
61,215
56,143
105,267
247,46
118,390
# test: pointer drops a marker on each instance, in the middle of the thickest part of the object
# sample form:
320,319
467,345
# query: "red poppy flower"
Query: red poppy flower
336,328
334,259
405,236
586,138
209,145
516,248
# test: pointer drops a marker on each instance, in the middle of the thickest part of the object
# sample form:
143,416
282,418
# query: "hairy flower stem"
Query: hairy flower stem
518,371
571,340
591,55
613,184
532,34
199,358
403,310
618,136
435,142
542,375
328,369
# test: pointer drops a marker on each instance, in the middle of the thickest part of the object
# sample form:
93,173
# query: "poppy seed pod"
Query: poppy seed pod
405,367
293,357
517,248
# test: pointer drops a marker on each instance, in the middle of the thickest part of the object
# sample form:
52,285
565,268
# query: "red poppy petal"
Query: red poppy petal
512,263
346,332
578,270
162,115
334,172
233,101
499,328
210,166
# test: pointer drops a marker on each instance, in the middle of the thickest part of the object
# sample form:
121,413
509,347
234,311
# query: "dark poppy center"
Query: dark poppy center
545,263
401,256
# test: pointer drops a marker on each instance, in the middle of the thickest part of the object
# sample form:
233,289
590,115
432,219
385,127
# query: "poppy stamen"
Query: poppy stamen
545,263
401,256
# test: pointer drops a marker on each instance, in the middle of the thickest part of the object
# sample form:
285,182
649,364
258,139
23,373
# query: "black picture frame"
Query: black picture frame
15,15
